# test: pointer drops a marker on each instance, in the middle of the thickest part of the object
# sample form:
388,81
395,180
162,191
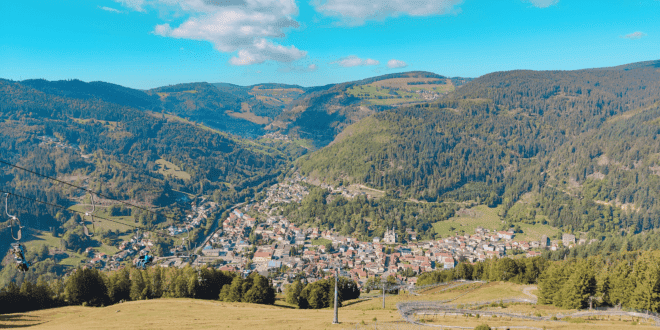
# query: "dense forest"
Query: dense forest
582,144
74,132
323,112
629,280
90,287
365,218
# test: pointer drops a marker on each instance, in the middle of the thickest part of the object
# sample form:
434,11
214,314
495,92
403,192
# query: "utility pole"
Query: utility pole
336,320
384,282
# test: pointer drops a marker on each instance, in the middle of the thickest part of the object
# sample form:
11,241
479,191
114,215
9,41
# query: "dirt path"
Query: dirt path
528,291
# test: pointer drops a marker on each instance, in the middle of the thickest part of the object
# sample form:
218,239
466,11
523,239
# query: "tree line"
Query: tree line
631,280
91,287
320,294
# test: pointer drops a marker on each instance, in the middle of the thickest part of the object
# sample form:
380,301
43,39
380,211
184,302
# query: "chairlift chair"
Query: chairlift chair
13,221
17,248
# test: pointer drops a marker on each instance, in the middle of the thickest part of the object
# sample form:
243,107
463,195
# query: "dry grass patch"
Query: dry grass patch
191,314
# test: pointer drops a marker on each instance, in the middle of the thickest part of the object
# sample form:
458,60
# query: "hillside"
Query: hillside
322,113
195,314
123,152
581,142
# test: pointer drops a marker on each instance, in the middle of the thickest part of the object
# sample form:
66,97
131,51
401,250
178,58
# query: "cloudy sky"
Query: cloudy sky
150,43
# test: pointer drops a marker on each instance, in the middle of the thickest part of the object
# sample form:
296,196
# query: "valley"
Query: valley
403,176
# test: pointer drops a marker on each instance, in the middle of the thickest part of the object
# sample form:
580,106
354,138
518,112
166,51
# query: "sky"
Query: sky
150,43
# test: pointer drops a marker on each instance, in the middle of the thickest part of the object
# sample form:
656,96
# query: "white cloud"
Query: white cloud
635,35
263,50
112,10
393,64
243,26
542,3
351,61
137,5
301,69
356,12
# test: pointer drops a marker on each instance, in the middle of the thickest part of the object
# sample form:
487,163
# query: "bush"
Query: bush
482,327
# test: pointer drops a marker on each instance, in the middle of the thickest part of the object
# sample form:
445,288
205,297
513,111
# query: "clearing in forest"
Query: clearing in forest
166,168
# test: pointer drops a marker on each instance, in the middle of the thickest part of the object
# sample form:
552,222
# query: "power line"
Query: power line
67,209
84,189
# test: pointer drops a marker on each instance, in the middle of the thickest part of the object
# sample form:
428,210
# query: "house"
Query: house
568,239
211,252
505,234
262,256
449,263
544,242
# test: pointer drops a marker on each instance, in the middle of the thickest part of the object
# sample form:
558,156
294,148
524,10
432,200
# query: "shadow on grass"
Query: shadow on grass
17,318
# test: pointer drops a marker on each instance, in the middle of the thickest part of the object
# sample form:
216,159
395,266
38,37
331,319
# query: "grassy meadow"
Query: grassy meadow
489,218
361,314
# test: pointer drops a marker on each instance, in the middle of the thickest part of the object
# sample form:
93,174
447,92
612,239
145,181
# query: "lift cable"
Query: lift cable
65,208
85,189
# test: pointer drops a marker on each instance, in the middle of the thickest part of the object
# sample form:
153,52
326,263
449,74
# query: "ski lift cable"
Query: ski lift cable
83,213
91,215
85,189
65,208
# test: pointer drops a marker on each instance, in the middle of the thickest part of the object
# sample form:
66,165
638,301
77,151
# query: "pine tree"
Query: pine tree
235,290
580,287
646,294
293,292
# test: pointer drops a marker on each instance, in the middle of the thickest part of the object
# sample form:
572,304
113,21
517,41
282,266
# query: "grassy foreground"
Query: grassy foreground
203,314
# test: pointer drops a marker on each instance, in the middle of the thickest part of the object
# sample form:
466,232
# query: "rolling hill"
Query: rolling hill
75,132
581,143
322,113
356,314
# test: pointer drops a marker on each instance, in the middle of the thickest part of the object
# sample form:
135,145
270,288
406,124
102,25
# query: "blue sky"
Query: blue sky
150,43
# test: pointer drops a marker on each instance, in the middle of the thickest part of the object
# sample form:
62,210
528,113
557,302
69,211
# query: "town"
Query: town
253,237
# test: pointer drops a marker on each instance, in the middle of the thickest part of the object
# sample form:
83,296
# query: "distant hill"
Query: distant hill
580,144
75,131
322,112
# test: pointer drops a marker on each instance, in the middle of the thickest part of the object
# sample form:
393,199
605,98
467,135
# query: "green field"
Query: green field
39,238
489,218
166,168
320,241
103,211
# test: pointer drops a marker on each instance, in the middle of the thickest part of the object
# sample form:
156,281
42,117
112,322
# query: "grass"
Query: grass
166,168
405,93
249,116
103,211
111,125
484,216
39,238
355,188
196,314
489,218
320,241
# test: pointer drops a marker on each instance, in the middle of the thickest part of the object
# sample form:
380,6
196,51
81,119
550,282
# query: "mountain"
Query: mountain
84,133
323,112
579,145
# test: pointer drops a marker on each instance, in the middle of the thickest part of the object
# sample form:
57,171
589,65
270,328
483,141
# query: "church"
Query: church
389,237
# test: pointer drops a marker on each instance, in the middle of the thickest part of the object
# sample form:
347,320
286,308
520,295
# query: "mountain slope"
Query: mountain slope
322,113
510,133
116,150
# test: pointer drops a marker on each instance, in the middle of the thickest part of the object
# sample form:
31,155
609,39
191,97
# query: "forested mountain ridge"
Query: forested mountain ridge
117,150
510,133
323,112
